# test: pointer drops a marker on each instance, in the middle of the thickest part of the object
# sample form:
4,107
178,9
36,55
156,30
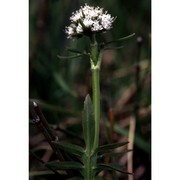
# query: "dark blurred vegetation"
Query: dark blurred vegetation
60,86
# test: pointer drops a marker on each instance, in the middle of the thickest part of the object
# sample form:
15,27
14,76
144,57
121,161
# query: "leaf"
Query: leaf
139,141
61,82
44,173
74,51
111,167
110,146
121,39
70,148
57,165
78,52
114,154
88,123
70,57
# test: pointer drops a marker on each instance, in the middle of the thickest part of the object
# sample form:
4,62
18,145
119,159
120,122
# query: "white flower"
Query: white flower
70,31
76,16
89,19
106,21
88,22
79,29
96,26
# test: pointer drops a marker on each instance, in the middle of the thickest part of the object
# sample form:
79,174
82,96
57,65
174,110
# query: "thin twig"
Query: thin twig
132,126
42,124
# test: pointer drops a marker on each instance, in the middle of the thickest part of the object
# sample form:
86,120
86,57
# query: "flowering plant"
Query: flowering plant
85,162
87,20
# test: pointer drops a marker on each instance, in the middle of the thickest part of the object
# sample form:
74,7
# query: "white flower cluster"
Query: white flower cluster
89,19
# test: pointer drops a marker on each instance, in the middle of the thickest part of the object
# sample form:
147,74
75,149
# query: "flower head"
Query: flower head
89,19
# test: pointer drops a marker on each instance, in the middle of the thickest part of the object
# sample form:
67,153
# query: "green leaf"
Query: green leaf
44,173
61,82
110,146
139,141
88,123
57,165
114,154
111,167
70,148
78,52
121,39
70,57
74,51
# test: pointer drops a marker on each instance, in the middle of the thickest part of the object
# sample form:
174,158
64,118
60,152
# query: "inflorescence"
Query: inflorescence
89,20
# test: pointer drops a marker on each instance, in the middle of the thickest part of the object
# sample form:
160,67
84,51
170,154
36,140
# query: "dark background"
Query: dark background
60,86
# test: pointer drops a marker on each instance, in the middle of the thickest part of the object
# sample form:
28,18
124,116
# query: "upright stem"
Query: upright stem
90,158
96,104
95,67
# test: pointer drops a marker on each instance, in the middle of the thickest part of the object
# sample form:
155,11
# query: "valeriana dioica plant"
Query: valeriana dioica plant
85,162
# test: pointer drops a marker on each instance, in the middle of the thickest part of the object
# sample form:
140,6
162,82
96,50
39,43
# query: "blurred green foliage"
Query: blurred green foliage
60,86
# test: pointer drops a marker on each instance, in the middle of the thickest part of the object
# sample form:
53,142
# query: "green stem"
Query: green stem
90,158
94,49
96,104
95,67
88,172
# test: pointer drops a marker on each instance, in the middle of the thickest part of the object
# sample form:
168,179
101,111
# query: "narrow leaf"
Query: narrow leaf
44,173
65,165
70,148
69,57
110,146
88,123
139,141
121,39
111,167
76,51
114,154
